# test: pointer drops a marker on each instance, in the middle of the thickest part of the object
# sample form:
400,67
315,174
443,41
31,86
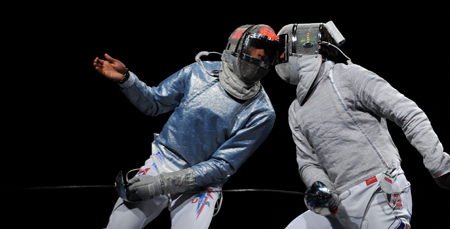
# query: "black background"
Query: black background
65,124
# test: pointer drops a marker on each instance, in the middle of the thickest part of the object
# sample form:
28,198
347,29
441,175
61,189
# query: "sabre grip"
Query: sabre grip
320,200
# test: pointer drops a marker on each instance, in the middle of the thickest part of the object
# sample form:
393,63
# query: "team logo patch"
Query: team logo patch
202,200
142,172
371,180
268,32
399,224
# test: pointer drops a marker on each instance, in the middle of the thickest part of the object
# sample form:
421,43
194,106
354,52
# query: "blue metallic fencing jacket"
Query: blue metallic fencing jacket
340,130
208,131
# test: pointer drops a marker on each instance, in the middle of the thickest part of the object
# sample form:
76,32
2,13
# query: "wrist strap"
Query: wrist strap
125,77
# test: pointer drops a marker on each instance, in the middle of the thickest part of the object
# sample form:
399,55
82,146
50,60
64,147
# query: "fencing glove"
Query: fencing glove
147,187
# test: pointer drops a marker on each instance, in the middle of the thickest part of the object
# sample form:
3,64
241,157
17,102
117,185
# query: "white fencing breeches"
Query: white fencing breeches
191,210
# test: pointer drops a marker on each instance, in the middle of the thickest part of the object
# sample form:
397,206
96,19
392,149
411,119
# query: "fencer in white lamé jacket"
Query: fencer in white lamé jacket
341,134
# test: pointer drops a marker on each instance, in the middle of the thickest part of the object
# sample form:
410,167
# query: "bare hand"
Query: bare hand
112,68
443,181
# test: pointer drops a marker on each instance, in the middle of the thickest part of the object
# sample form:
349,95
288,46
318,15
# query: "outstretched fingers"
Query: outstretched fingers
109,58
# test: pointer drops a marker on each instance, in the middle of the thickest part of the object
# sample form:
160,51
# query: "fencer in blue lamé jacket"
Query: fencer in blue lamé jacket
208,131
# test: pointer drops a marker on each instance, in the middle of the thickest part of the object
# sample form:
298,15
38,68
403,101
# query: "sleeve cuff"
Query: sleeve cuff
442,174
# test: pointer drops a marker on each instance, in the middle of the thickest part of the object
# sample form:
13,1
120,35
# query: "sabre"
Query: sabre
120,186
121,189
318,198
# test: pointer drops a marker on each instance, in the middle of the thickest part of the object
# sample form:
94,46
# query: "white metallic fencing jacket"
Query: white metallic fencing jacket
208,131
340,131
